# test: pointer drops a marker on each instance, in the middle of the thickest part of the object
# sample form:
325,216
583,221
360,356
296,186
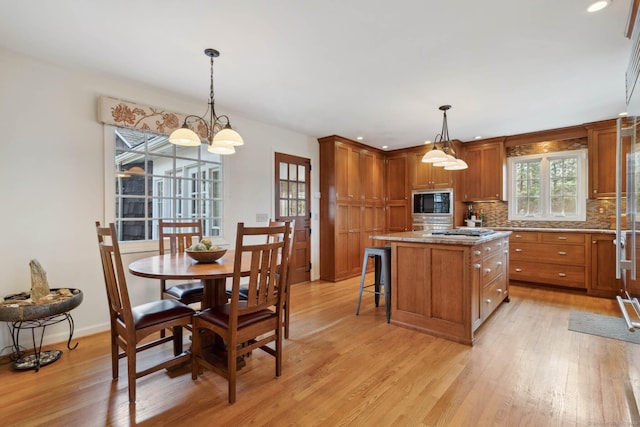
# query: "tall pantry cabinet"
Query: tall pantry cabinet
351,205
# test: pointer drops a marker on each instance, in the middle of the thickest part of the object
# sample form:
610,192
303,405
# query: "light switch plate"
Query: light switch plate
262,217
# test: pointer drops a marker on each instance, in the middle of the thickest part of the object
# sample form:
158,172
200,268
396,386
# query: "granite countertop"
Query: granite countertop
427,237
559,230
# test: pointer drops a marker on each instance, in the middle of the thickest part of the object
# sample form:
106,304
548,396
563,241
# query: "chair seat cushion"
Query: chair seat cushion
189,290
153,313
244,292
220,316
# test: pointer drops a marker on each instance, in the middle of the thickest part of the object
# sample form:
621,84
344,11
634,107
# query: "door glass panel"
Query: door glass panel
301,173
283,170
292,190
284,206
284,189
293,172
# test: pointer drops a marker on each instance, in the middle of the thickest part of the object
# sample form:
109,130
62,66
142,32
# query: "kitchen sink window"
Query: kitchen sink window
148,178
548,187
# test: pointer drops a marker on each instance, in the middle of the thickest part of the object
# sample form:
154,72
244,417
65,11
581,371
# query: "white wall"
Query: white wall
52,180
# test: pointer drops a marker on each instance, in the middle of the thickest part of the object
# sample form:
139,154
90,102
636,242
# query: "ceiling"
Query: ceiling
370,68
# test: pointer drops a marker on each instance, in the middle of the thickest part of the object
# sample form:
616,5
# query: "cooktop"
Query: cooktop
472,232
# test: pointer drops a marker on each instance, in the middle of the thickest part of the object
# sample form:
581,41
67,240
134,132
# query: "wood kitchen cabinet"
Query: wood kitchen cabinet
448,289
397,194
427,176
351,205
602,161
603,266
484,179
347,173
551,258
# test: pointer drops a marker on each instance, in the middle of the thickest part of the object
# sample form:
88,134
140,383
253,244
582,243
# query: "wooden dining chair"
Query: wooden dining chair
287,275
180,236
247,325
130,325
274,238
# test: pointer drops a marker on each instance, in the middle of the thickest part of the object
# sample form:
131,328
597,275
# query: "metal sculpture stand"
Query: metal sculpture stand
38,358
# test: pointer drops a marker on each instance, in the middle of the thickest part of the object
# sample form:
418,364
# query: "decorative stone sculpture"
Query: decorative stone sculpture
39,284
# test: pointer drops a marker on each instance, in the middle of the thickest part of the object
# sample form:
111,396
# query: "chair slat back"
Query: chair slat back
292,230
263,289
114,275
181,235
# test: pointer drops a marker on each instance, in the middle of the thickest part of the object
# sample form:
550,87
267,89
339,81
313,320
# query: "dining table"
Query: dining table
181,266
213,275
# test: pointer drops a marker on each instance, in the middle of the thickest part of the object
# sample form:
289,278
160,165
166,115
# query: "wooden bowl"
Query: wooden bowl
206,256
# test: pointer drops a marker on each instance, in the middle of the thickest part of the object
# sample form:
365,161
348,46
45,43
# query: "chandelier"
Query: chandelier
222,139
443,154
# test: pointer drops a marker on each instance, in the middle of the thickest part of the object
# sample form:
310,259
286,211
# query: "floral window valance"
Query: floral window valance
127,114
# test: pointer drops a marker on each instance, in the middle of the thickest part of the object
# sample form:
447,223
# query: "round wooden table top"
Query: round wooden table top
181,266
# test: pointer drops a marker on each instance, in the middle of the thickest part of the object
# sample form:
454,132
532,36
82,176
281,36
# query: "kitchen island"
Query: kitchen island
447,285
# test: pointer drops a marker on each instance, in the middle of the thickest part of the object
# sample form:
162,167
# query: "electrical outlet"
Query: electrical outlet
262,217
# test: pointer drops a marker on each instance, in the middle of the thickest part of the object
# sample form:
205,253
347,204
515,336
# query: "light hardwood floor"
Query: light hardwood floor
526,368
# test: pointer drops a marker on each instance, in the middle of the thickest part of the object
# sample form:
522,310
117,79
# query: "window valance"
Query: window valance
128,114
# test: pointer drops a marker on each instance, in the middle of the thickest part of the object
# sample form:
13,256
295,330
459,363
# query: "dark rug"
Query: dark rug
603,326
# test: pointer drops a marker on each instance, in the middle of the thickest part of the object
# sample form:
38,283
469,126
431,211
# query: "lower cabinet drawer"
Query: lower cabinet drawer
548,252
492,296
553,274
492,267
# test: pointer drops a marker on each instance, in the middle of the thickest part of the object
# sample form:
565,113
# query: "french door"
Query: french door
293,202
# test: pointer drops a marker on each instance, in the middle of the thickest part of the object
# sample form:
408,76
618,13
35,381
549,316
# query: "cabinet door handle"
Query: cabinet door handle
518,250
519,270
499,244
477,252
562,274
477,266
499,263
499,290
562,253
488,301
488,248
506,251
562,237
487,270
518,236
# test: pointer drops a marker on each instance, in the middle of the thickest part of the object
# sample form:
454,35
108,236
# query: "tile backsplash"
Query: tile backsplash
601,214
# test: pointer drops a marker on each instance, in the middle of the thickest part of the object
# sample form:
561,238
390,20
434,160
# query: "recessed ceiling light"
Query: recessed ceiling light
385,146
360,138
598,5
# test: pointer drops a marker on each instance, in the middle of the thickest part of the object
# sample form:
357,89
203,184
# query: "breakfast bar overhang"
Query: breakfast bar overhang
447,285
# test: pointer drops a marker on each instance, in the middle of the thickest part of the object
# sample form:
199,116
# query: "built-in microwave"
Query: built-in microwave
432,202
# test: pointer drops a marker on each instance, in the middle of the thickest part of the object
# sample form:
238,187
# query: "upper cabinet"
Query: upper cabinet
602,161
484,180
425,175
372,177
397,193
347,172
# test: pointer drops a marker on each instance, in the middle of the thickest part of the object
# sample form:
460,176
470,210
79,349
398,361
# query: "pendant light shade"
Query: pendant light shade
221,137
228,136
221,148
185,137
459,165
434,155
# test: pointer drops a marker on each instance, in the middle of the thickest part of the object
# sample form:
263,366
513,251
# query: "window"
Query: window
155,179
548,187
